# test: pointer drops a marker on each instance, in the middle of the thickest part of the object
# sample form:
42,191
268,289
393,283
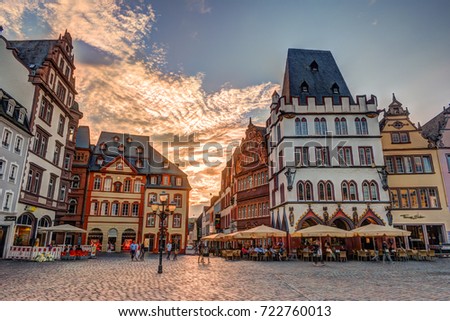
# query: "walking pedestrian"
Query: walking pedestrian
133,248
176,250
142,252
386,253
317,253
200,253
205,253
169,250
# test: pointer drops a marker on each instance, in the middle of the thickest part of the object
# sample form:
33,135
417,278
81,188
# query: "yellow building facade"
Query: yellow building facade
417,193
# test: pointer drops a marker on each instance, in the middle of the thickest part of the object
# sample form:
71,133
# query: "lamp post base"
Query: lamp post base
160,269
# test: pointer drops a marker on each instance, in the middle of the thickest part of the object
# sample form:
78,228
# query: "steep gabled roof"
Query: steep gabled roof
432,129
14,119
317,70
33,52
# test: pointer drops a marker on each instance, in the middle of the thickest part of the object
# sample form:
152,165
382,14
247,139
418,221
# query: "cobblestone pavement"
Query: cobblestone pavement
115,277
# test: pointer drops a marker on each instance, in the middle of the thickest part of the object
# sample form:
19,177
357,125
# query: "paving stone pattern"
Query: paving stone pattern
114,277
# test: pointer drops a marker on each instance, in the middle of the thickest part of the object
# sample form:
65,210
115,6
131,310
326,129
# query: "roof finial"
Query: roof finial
393,97
250,122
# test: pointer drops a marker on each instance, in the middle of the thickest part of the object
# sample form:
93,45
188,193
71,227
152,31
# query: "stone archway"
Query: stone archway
25,229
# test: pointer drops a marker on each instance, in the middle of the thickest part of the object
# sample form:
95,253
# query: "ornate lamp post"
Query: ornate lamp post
163,209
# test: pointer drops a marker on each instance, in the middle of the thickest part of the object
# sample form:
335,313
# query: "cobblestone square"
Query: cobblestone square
114,277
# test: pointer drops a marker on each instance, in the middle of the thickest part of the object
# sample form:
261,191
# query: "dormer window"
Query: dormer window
100,161
116,138
11,105
304,87
139,163
129,140
21,117
119,166
166,164
335,89
121,148
102,146
314,66
140,150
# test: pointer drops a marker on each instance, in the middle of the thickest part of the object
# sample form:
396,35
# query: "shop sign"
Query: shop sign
10,218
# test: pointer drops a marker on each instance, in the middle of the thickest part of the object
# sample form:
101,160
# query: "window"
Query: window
345,156
33,180
322,156
6,138
7,202
67,162
304,191
178,200
366,191
127,185
62,193
408,165
404,137
400,138
373,191
115,209
135,210
94,208
165,180
71,133
46,111
176,221
107,184
389,165
13,173
395,138
61,91
11,106
330,191
152,198
117,187
365,156
97,183
413,198
301,127
178,181
40,142
151,218
21,117
104,208
18,145
321,189
323,126
75,182
349,191
304,88
2,168
335,89
125,209
72,209
427,168
137,186
280,161
61,125
51,187
56,154
282,196
119,166
153,180
341,126
364,128
301,155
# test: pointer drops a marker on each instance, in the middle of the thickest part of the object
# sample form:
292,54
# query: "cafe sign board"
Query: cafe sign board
10,218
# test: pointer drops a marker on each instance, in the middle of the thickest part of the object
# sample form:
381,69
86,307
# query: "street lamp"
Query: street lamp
163,210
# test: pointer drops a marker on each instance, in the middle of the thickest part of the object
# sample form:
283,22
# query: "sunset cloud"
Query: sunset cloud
122,86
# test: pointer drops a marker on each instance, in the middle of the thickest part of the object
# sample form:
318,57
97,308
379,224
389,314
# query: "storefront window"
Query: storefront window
435,236
416,239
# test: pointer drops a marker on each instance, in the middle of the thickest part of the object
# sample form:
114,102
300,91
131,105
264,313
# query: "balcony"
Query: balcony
255,192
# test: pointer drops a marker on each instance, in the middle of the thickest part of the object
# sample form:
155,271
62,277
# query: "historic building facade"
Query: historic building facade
251,179
125,175
325,152
41,73
15,136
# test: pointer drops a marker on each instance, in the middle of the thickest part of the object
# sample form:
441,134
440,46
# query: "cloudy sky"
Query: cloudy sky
203,67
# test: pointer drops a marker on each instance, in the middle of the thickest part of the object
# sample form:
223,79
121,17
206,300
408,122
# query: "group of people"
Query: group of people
275,251
175,248
203,253
137,251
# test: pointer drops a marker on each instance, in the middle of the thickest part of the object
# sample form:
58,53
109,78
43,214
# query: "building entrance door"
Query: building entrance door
3,232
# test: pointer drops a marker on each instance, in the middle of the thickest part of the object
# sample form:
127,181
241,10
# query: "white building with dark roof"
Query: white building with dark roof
15,137
324,149
41,74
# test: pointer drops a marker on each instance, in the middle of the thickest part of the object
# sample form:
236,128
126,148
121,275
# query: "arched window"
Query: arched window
301,191
358,126
317,126
337,125
127,185
304,87
353,191
97,183
75,182
304,127
330,191
45,221
298,129
364,128
135,209
308,191
323,126
115,208
94,208
105,208
366,191
374,191
345,191
117,187
107,184
125,209
344,129
72,209
137,186
321,190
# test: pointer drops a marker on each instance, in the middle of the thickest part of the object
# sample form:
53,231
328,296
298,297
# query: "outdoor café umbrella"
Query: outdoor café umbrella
374,230
213,237
64,228
260,232
322,231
